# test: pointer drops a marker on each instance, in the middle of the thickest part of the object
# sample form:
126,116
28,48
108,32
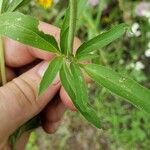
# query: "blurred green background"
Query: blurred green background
125,127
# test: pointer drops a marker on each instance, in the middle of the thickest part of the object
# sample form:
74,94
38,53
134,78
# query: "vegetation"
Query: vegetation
125,127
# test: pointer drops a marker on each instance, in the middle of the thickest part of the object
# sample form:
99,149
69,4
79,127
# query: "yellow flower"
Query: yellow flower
45,3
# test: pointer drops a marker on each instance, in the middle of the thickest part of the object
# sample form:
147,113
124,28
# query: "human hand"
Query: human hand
19,101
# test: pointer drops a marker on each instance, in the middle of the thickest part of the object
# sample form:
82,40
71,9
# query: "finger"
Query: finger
53,113
19,54
25,68
54,110
51,127
66,100
10,74
19,99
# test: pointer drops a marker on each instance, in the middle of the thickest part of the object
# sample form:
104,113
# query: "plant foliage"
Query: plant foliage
24,29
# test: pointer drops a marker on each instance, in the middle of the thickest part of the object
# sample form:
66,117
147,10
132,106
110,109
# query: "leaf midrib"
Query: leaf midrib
82,52
114,84
31,32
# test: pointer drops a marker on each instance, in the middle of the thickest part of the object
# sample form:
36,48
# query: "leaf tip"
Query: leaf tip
40,91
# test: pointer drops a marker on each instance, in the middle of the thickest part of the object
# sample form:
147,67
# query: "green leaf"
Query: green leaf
50,74
82,99
67,82
101,40
64,41
120,85
81,5
32,124
64,33
80,86
23,3
3,5
28,126
24,29
68,29
72,25
14,4
65,24
89,57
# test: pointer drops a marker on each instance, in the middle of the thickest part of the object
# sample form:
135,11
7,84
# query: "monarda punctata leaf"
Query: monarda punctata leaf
24,29
101,40
122,86
82,99
50,74
14,4
67,77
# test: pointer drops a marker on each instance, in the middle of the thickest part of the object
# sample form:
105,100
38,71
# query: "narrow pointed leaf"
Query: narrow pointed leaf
88,57
23,3
68,28
3,5
65,24
82,99
64,41
67,81
72,25
50,74
80,86
101,40
27,31
64,32
121,86
28,126
81,5
14,4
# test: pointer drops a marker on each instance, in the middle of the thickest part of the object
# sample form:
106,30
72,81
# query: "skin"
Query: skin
19,101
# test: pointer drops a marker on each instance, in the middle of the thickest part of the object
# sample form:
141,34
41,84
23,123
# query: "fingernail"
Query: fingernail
43,68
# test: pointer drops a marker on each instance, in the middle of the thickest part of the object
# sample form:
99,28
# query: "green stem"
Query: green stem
100,8
1,4
72,25
2,63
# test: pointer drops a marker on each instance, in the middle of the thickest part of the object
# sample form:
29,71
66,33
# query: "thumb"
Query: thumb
19,99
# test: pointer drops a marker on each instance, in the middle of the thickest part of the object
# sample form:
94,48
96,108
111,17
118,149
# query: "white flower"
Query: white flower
135,29
139,66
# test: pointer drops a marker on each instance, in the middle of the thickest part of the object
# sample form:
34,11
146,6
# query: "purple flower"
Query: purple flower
142,8
93,2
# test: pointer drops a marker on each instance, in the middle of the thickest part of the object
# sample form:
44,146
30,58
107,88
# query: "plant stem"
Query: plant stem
72,25
2,63
100,8
1,4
